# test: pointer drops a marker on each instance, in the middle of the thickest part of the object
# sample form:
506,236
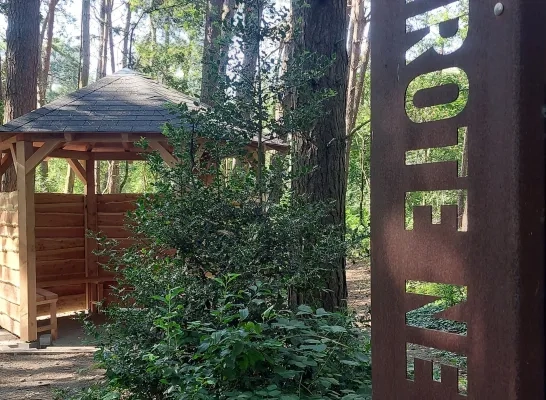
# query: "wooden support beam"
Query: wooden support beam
78,169
27,247
5,163
13,151
7,143
120,156
91,224
40,154
75,155
164,153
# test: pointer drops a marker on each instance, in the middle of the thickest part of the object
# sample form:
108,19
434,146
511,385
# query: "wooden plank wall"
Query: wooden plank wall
9,263
111,212
60,248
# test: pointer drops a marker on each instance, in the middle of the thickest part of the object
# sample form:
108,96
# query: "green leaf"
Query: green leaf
243,314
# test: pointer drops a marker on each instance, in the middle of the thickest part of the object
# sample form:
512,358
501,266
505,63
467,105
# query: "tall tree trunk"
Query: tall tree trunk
105,43
251,42
69,183
113,182
321,148
22,58
462,200
111,36
1,88
127,34
85,43
46,61
211,50
98,177
227,23
102,33
125,177
359,57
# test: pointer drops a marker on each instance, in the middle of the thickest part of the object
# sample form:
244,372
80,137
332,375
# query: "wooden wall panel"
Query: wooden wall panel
9,263
60,248
111,217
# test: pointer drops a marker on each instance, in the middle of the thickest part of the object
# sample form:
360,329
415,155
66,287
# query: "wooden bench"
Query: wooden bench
46,297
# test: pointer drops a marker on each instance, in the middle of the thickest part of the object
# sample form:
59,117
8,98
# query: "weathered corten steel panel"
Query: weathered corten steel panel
499,258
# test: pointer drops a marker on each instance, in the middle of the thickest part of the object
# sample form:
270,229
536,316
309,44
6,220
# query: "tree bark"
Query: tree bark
227,23
359,54
211,50
251,42
321,148
102,33
105,41
113,182
85,43
69,184
127,33
462,200
1,88
46,61
98,177
111,35
22,58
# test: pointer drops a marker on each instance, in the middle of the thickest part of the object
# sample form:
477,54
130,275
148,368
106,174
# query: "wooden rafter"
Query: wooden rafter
40,154
5,163
164,153
78,169
13,152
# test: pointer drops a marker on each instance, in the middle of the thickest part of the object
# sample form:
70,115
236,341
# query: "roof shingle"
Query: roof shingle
120,103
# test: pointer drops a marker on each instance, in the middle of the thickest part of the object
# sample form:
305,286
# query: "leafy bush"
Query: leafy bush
246,349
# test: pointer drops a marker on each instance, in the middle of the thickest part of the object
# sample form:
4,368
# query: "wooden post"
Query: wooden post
27,246
91,260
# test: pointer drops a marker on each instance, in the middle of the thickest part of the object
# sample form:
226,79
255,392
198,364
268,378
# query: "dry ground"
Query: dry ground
37,376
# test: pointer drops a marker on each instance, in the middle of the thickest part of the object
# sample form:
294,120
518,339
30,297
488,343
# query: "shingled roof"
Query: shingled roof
124,102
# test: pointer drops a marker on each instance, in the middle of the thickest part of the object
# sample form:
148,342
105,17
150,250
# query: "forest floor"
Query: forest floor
38,376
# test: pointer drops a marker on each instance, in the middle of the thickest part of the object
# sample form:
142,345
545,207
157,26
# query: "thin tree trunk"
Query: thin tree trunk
105,44
112,185
211,50
44,170
227,22
125,177
85,43
102,23
69,184
43,29
321,148
462,200
46,62
1,88
98,177
111,36
251,42
22,58
127,33
357,43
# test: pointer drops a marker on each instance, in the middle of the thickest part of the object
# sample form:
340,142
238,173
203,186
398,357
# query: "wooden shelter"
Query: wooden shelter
47,264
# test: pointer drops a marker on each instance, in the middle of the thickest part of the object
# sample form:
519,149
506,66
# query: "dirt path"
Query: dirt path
37,376
359,286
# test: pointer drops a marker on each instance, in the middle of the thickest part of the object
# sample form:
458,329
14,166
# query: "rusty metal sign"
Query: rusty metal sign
458,196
